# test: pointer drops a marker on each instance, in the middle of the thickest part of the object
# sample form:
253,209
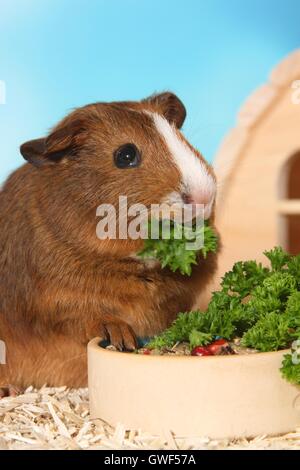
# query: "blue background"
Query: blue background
59,54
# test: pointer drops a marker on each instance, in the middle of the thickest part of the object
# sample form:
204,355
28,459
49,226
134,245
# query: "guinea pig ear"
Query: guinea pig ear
63,141
33,151
170,106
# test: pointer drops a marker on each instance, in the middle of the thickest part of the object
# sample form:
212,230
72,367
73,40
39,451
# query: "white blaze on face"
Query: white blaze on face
196,181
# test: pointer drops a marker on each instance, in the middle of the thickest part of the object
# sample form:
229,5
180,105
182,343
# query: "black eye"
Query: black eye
127,156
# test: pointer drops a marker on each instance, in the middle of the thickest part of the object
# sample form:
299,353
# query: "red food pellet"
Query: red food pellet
220,341
201,351
147,352
217,346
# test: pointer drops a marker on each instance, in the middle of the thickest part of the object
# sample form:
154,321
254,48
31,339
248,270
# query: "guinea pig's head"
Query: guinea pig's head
134,149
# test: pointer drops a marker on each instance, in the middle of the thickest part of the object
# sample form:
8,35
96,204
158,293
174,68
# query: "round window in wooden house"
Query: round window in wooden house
289,205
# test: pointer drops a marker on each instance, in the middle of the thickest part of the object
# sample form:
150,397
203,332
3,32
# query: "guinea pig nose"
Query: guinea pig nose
197,198
187,198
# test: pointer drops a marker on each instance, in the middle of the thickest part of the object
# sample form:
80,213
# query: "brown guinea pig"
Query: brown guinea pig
60,285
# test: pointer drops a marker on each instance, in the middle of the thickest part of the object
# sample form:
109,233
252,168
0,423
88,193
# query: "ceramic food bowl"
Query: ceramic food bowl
218,396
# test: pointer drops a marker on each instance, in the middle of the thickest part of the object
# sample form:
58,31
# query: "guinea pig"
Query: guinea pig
60,285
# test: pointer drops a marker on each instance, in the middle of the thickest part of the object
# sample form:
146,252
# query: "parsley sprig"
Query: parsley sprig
169,246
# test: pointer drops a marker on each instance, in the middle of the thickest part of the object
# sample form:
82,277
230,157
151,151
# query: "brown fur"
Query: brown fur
61,286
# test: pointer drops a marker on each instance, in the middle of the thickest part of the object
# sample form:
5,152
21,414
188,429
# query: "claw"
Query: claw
121,336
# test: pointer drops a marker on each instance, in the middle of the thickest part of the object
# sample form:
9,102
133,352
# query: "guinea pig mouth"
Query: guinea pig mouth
184,205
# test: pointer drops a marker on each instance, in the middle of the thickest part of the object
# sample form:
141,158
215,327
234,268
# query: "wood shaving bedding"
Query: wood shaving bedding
58,418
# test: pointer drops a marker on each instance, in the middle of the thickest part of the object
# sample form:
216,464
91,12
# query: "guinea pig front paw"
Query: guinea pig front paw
9,391
121,336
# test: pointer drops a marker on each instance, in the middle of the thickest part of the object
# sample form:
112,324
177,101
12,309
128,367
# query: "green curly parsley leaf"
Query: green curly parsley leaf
172,252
